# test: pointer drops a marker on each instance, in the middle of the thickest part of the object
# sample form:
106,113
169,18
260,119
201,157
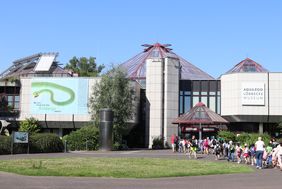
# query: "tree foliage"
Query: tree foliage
30,125
85,67
114,91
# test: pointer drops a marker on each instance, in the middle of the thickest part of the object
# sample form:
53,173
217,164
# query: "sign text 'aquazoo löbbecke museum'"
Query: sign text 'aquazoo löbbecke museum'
165,85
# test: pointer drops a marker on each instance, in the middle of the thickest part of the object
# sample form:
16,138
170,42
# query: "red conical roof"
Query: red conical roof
247,65
200,114
136,66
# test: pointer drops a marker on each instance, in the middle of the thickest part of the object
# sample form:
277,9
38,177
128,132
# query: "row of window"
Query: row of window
9,97
10,102
192,92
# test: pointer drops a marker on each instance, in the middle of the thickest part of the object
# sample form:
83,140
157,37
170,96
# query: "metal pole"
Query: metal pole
200,132
12,143
65,146
28,147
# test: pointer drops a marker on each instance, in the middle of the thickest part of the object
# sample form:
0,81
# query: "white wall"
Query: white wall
275,94
231,98
154,91
162,92
171,94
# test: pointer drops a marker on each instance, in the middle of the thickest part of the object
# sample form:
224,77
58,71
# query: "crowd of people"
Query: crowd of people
258,154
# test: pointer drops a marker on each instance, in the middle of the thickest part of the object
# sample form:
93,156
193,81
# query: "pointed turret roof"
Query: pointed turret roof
136,66
247,65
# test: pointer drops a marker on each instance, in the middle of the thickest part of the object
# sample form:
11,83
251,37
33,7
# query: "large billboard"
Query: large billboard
59,96
252,93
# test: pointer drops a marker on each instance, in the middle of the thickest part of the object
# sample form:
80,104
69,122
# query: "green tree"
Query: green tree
114,91
85,67
30,125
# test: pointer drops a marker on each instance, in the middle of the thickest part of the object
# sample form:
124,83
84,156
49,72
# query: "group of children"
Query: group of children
270,155
186,146
267,156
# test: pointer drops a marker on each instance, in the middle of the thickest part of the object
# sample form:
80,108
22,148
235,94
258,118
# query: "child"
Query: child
246,154
269,155
253,154
238,153
217,150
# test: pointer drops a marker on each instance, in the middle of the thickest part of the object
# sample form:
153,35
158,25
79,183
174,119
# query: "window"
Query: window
218,105
195,100
204,99
17,102
196,87
212,88
212,103
204,87
187,103
180,104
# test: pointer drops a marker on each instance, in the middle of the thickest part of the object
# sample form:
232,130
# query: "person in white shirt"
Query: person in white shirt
259,152
278,154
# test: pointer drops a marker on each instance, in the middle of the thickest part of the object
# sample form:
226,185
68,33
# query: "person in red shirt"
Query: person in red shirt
172,140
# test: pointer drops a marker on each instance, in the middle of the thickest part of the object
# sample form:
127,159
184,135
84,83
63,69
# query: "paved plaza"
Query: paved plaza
259,179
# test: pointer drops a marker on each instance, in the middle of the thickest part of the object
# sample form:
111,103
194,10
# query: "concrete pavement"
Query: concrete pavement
260,179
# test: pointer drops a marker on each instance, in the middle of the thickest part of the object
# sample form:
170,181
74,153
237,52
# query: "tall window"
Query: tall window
212,95
218,98
181,102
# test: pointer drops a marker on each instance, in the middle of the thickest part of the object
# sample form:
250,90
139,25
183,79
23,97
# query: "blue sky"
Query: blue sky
213,35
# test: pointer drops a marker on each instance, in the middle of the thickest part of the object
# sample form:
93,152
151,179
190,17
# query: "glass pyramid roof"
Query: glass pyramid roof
136,66
247,65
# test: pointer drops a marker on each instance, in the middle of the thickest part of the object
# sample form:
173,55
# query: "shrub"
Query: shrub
77,140
243,137
5,144
38,143
253,137
30,125
227,135
45,143
158,143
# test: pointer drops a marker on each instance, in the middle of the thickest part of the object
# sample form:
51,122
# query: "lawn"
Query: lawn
119,167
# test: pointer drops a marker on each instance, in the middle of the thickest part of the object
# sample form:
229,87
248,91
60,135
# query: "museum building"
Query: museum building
165,84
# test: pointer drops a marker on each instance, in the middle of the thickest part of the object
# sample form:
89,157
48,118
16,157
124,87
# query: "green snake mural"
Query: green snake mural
55,86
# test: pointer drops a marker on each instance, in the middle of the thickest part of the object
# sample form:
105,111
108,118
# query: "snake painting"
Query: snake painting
49,90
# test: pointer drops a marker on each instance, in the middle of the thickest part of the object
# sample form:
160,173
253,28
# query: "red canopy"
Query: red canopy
200,114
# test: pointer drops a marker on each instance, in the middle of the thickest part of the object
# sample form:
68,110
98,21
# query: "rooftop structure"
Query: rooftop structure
247,65
200,114
41,64
136,66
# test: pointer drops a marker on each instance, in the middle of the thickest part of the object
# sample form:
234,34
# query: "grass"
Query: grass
119,167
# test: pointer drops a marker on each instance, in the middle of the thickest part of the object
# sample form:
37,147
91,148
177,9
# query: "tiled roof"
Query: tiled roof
200,114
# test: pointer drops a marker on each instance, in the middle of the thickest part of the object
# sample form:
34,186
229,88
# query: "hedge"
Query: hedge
227,135
38,143
86,138
242,138
45,143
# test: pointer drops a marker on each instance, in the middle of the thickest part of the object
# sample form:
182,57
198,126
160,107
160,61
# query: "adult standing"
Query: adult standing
172,140
259,152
